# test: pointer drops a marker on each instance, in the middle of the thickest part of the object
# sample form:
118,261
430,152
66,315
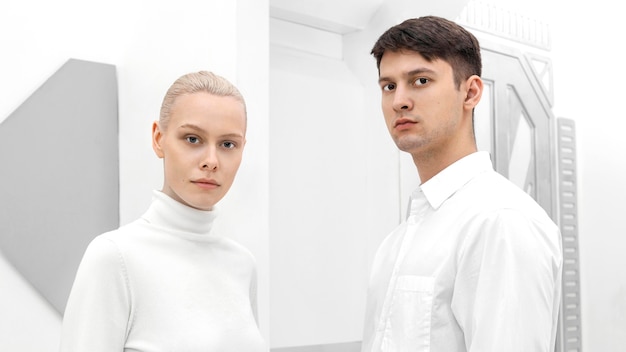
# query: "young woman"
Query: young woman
167,282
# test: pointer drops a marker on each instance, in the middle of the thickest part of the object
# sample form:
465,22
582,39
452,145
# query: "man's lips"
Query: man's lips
402,123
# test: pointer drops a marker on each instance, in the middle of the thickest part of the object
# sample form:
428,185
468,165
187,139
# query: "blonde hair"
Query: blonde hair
202,81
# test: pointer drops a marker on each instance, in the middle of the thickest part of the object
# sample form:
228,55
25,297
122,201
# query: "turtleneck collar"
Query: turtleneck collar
178,218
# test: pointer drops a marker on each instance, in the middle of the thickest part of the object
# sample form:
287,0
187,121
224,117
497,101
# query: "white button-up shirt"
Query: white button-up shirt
475,267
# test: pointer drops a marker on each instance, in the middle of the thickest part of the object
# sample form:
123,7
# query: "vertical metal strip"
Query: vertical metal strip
570,322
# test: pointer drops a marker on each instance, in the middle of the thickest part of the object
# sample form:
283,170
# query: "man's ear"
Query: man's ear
157,135
474,92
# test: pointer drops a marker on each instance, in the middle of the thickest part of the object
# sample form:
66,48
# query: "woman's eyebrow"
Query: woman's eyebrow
202,130
232,135
192,126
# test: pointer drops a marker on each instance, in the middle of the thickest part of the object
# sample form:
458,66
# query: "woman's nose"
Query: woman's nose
210,161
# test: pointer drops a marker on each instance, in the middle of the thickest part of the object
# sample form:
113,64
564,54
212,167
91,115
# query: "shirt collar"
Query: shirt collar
443,185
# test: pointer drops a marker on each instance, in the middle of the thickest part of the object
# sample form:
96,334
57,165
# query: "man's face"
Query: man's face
201,148
422,106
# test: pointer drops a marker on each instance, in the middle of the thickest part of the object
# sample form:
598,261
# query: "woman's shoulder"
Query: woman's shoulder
108,244
238,251
102,255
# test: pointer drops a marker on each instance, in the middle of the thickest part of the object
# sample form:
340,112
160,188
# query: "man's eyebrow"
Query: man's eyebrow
411,73
383,79
418,71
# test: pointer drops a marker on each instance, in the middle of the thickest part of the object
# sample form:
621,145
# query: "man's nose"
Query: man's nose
402,100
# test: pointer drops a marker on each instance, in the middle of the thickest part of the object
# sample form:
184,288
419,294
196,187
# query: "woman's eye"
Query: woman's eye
192,139
229,145
421,81
389,87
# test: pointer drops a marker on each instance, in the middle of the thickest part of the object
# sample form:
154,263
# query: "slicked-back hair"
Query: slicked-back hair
195,82
434,38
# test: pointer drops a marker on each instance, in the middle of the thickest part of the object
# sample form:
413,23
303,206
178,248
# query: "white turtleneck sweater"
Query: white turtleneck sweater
164,283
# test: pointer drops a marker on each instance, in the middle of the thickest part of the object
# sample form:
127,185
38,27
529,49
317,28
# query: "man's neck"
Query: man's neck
430,164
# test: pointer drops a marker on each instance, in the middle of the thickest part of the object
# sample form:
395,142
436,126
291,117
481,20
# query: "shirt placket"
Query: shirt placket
413,222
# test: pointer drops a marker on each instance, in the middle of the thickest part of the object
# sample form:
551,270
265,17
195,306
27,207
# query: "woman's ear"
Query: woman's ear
474,91
157,135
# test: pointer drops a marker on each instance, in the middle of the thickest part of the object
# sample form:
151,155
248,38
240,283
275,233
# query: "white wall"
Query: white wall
151,43
319,183
589,88
27,321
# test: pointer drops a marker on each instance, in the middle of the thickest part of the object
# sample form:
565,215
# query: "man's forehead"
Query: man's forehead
400,64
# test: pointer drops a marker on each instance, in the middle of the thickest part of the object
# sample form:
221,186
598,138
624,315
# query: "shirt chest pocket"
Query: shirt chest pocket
409,320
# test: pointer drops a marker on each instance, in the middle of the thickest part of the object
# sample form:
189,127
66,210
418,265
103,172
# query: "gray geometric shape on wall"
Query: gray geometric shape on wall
570,323
59,175
541,66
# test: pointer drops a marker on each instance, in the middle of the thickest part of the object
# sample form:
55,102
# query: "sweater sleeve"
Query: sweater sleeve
98,309
507,291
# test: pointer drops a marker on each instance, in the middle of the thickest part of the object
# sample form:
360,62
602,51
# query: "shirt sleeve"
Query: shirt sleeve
253,295
98,309
508,286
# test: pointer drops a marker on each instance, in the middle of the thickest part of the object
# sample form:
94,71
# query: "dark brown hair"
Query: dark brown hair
434,38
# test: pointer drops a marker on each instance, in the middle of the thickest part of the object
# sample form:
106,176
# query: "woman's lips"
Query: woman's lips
206,183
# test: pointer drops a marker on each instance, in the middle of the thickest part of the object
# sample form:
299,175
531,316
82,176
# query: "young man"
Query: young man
476,266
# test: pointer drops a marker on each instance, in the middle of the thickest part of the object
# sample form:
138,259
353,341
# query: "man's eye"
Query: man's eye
421,81
389,87
193,139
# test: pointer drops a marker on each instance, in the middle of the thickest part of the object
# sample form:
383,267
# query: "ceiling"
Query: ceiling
346,16
338,16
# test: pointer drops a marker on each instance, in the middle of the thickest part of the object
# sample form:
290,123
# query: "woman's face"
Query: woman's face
201,148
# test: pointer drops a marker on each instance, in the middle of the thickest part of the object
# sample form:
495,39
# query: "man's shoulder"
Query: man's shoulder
491,193
496,188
